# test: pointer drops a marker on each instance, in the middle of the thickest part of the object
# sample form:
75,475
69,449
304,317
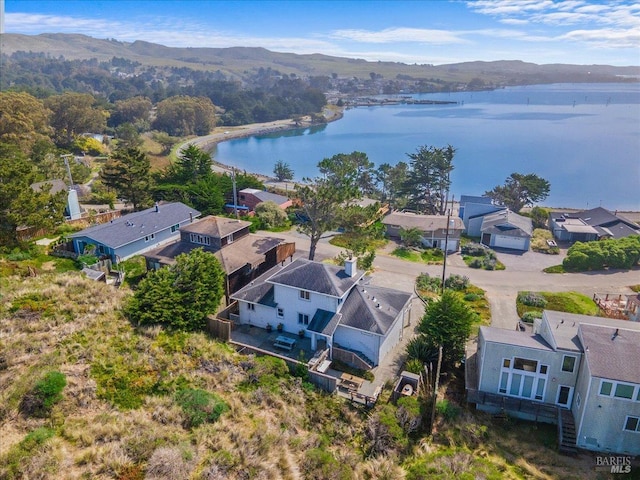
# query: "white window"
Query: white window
625,391
568,363
605,388
251,306
304,295
200,239
230,238
521,377
303,319
632,424
280,313
175,228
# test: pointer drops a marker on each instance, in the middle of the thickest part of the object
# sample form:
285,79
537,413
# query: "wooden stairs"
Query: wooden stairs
566,432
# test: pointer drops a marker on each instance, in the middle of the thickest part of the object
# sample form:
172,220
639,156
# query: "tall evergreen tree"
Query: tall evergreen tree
520,190
128,173
429,180
180,296
20,205
447,322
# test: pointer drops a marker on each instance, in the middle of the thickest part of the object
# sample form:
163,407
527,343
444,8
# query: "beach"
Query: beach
225,133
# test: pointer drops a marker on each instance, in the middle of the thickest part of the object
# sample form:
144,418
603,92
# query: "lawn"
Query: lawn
570,302
33,261
347,240
430,256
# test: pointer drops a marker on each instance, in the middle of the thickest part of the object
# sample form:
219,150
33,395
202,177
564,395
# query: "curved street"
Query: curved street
523,272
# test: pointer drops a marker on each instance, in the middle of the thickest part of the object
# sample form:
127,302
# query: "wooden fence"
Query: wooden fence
350,358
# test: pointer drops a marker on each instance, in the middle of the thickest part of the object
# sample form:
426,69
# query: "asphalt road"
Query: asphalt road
523,272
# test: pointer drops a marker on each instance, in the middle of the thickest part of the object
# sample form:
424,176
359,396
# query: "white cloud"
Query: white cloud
396,35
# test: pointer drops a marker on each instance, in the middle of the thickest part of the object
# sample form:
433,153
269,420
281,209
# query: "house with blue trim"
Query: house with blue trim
135,233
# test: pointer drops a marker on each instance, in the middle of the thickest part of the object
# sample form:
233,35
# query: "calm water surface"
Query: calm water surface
584,139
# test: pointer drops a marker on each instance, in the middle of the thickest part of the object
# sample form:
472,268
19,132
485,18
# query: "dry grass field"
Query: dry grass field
122,412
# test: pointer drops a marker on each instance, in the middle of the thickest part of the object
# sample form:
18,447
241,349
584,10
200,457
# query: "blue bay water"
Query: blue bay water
583,138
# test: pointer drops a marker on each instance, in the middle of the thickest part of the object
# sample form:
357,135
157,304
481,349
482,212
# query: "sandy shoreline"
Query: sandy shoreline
223,134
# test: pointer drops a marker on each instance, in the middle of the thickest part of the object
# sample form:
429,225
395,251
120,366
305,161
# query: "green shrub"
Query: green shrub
476,263
414,365
471,297
532,299
321,464
428,283
447,410
474,250
530,316
200,406
44,395
28,447
457,282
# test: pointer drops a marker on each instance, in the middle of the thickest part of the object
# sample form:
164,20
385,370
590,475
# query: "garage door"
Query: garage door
502,241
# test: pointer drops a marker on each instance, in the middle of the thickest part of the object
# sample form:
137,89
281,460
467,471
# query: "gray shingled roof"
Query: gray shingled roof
315,277
373,309
266,196
612,353
564,327
129,228
514,337
506,222
217,227
324,322
426,223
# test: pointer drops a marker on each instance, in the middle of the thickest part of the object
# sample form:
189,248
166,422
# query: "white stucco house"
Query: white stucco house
580,371
333,306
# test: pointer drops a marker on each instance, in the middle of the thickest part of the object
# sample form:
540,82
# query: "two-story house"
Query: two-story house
331,305
243,256
135,233
250,198
472,211
576,369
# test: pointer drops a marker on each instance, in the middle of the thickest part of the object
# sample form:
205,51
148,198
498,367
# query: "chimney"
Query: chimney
350,267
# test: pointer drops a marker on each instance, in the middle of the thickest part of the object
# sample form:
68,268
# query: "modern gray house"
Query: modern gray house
579,371
506,229
135,233
588,225
472,211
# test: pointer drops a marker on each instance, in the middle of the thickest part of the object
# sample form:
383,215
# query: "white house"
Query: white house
331,305
578,370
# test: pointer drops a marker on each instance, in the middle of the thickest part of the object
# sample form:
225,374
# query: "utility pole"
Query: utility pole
235,196
436,384
446,248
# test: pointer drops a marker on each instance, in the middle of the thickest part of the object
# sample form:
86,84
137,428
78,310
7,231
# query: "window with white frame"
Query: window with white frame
174,228
251,306
632,424
230,238
280,312
625,391
303,319
200,239
568,363
522,377
304,295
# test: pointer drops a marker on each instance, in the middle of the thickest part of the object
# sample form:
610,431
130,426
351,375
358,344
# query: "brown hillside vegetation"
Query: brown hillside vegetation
131,408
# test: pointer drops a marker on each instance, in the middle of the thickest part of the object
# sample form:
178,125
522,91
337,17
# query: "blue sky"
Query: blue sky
418,31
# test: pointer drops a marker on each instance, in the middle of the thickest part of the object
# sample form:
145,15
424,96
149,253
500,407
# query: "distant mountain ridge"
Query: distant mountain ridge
234,62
